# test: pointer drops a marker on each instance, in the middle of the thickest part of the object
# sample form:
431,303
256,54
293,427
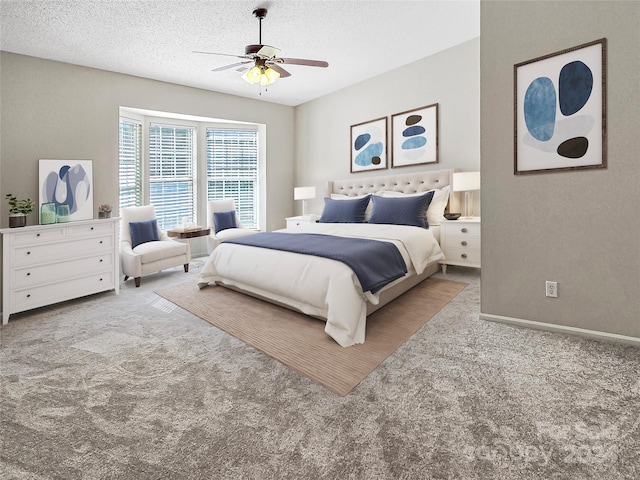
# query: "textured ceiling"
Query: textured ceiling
156,38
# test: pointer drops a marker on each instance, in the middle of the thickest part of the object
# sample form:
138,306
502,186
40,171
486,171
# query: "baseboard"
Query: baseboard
550,327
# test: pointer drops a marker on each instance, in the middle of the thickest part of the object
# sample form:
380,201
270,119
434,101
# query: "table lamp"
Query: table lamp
466,182
304,194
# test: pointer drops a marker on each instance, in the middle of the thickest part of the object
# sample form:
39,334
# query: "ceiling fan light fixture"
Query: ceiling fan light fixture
259,74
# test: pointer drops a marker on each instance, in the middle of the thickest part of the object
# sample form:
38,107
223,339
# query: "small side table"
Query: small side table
460,242
189,234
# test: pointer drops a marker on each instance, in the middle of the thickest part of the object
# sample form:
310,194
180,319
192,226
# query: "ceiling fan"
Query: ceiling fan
266,64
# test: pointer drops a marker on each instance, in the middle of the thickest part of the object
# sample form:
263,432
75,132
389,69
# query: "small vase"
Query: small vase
63,213
104,214
48,213
17,220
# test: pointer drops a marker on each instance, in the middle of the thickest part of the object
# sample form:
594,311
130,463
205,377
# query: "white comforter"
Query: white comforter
315,285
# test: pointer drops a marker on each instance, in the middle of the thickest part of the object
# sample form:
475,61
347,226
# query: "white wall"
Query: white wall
450,78
578,228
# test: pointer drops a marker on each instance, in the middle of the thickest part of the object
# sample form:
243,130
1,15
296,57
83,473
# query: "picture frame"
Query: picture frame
560,111
414,135
369,145
67,182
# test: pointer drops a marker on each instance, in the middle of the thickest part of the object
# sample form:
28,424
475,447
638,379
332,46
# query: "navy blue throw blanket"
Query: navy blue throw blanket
374,262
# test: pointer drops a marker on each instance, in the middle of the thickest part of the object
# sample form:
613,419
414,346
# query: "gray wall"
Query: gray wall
449,78
56,110
578,228
61,111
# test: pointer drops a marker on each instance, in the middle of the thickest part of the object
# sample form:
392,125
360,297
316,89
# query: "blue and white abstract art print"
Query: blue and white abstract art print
415,136
560,110
369,145
68,182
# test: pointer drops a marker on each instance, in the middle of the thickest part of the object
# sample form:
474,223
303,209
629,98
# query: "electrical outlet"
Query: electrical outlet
551,289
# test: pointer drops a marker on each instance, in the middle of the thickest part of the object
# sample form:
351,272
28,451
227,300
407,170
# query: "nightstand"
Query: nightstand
460,242
294,222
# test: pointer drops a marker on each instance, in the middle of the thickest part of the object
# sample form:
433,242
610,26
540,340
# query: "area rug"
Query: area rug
299,341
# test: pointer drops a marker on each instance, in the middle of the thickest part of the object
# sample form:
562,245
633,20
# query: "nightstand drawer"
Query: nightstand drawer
462,255
471,243
466,229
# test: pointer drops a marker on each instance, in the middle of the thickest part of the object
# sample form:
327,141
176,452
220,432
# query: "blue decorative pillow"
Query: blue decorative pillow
224,220
401,211
143,232
344,211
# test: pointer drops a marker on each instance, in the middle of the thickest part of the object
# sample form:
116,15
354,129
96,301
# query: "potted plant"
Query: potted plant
104,211
18,210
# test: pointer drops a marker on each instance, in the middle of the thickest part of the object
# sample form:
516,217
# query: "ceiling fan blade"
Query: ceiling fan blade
221,54
302,61
226,67
283,73
267,51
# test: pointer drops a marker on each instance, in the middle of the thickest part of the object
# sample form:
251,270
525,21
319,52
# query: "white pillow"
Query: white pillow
367,212
435,212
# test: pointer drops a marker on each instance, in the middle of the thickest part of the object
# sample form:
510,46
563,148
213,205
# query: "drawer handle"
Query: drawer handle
91,228
100,279
464,255
464,230
100,260
37,234
463,243
28,295
28,253
100,241
28,273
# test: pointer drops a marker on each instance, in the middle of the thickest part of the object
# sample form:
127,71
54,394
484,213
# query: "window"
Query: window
171,173
130,163
232,170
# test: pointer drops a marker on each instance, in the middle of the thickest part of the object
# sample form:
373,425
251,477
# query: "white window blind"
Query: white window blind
171,173
232,170
130,163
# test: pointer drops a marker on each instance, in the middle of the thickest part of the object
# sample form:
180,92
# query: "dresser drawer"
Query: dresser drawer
28,298
46,273
76,231
41,236
27,255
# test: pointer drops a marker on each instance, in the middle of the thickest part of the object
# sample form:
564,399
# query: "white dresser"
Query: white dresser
460,242
46,264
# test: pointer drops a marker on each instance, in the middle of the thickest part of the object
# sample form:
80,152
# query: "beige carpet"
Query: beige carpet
299,341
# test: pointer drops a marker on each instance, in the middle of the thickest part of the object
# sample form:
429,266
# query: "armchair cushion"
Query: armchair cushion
149,252
143,232
224,220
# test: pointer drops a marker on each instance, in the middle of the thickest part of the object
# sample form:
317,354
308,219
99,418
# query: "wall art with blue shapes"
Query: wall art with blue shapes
560,110
68,182
369,145
415,136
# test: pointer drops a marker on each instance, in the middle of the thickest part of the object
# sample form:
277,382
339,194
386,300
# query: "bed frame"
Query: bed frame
405,183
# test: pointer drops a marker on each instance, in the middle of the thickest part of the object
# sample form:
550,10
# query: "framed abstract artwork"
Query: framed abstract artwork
560,111
369,145
68,182
415,136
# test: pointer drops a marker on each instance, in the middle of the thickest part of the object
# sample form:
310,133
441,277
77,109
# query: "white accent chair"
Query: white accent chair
148,257
214,239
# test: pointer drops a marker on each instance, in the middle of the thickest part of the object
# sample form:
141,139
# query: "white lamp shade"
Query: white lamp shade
466,181
304,193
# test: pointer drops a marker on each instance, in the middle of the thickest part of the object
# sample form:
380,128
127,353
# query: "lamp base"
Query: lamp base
468,204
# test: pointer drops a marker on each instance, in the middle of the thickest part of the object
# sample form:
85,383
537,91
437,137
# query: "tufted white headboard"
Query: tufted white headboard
403,182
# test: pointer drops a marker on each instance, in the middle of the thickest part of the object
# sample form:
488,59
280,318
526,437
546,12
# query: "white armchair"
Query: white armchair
215,238
157,252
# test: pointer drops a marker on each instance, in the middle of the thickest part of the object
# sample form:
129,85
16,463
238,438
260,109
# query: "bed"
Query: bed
324,287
